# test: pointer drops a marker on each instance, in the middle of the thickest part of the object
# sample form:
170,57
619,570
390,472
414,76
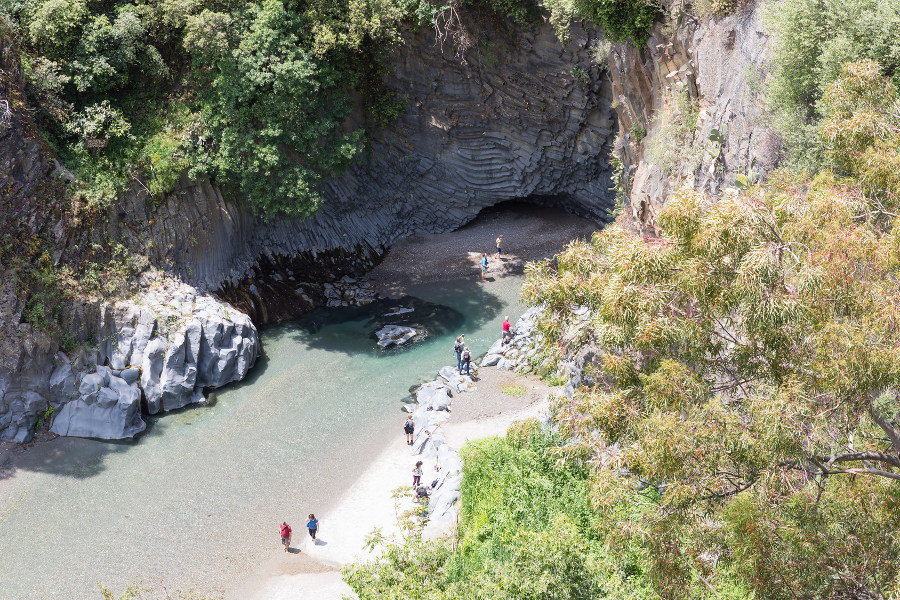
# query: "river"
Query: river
196,501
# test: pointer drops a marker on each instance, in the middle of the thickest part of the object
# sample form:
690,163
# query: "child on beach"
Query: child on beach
483,265
313,526
417,474
409,426
499,243
286,536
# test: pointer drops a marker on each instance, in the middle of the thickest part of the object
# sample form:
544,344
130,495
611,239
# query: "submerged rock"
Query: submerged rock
391,335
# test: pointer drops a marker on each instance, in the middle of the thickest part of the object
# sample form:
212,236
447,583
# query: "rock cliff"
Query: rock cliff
163,346
523,118
712,67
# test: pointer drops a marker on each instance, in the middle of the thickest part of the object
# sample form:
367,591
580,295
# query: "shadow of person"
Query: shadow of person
489,279
319,542
293,550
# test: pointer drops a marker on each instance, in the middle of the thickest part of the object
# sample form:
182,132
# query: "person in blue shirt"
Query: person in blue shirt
313,526
483,265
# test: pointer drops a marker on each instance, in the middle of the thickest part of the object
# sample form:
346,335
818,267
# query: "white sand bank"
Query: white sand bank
313,573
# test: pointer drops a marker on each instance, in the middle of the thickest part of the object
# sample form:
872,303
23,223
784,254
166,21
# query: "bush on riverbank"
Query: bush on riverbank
526,531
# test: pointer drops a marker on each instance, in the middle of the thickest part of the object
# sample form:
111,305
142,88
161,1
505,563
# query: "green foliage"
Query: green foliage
638,132
526,532
621,20
861,129
814,38
749,376
674,147
516,390
271,78
45,416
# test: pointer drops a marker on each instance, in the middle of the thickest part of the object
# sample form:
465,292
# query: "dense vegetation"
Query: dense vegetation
527,532
813,40
257,95
742,438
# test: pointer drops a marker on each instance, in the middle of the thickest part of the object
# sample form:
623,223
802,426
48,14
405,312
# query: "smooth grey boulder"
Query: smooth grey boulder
490,360
443,499
108,407
391,335
62,382
457,382
434,395
506,364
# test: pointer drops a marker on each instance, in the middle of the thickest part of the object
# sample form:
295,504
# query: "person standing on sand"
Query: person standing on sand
417,474
499,243
409,426
467,360
313,526
483,264
286,536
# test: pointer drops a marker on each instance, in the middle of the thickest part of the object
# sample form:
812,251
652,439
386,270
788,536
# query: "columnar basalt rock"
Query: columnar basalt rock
513,122
716,63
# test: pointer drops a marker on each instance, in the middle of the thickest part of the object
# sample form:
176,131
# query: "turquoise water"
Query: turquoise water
195,502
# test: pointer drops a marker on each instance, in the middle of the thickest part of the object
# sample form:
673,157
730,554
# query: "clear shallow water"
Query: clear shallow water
195,502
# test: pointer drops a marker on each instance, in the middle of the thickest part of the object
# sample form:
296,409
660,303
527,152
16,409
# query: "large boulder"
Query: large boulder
108,407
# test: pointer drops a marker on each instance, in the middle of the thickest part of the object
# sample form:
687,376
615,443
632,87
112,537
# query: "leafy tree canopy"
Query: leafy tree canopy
749,390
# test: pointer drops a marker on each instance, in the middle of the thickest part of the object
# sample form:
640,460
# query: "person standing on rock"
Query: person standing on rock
313,526
286,536
483,264
409,426
417,474
499,243
467,361
458,348
506,333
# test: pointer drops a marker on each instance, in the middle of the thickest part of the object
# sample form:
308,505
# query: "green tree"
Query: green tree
748,389
272,120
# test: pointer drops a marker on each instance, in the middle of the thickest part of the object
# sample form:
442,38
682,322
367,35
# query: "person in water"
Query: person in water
409,426
483,265
313,526
458,348
286,536
417,473
467,361
499,243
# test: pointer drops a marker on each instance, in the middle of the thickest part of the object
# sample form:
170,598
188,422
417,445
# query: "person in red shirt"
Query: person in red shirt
286,536
506,333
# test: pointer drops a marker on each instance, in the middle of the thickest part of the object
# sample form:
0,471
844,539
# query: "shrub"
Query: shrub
813,40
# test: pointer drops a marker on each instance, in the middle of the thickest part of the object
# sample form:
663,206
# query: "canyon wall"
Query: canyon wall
522,117
718,65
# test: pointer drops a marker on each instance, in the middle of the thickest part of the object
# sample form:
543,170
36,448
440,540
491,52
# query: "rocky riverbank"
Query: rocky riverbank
448,411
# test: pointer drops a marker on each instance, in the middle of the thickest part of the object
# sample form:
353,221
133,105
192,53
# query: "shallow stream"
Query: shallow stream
196,501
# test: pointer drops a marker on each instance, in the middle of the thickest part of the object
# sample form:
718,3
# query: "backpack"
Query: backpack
466,356
457,347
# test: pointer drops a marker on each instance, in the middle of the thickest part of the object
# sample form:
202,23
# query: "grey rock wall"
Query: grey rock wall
721,63
512,123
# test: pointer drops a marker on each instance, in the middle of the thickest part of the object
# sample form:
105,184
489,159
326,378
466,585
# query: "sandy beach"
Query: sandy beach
530,233
313,571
